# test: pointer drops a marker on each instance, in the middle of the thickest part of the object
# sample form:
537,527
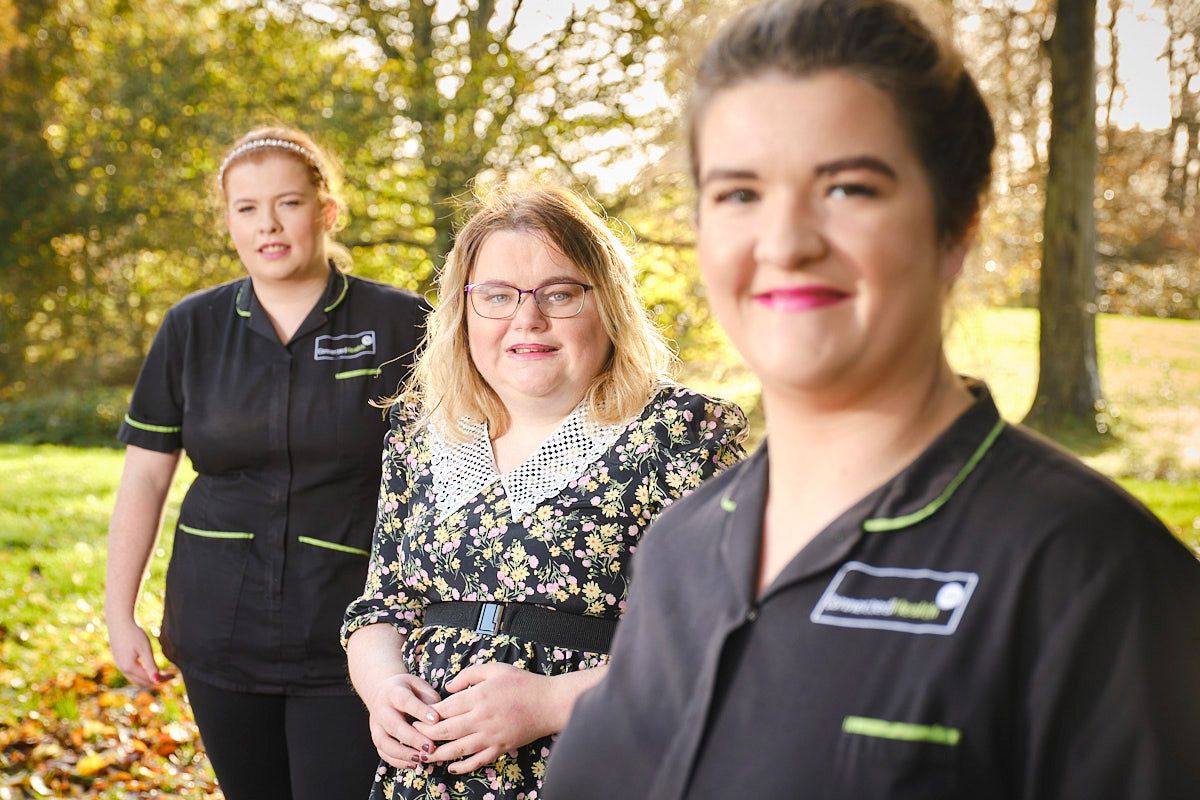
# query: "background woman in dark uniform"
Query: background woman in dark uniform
266,383
900,595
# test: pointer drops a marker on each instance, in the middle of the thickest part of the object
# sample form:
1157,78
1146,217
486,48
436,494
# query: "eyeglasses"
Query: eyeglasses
501,301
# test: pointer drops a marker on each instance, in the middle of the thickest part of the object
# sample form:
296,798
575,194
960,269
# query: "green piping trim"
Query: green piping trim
727,504
215,534
345,287
354,373
883,524
901,731
237,303
341,548
152,428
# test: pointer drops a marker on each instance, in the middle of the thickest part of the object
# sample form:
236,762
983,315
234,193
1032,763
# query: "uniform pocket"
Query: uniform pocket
896,760
204,587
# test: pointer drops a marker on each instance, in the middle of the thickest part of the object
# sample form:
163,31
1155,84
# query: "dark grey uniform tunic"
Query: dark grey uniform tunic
274,533
997,621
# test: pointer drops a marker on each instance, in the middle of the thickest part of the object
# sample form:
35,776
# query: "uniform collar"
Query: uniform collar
246,305
916,494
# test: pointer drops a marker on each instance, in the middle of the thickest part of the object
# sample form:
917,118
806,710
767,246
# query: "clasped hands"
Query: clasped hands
492,709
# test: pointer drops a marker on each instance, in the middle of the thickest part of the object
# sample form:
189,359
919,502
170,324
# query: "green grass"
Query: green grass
54,508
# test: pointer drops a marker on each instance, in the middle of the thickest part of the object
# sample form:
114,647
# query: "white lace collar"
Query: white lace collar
461,470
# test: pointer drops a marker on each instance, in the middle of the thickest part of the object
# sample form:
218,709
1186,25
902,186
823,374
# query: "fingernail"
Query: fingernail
426,748
432,717
157,676
424,758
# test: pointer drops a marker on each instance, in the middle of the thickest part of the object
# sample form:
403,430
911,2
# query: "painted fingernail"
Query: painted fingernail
426,748
432,717
424,758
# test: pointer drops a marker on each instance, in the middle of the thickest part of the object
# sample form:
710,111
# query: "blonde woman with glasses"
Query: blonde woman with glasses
537,439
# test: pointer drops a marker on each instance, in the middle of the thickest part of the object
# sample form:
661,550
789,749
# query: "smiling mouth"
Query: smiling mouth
801,298
525,349
272,249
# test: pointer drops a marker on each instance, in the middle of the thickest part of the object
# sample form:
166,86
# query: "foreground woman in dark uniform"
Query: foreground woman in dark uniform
266,383
900,595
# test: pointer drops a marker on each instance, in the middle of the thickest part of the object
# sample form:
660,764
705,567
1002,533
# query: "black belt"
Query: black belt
527,621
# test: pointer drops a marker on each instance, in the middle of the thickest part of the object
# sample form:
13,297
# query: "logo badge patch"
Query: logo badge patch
895,599
347,346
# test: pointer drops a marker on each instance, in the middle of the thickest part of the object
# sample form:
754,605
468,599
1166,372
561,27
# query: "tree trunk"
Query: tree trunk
1068,392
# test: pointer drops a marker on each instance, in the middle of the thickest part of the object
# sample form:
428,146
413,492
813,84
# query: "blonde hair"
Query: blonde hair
324,173
445,381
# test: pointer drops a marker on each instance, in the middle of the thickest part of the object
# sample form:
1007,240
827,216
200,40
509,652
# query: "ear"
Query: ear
954,253
329,214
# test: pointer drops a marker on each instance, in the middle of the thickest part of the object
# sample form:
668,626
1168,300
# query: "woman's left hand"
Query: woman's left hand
493,708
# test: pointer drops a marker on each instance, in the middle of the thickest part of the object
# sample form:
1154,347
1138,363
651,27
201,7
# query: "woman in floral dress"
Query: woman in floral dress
536,442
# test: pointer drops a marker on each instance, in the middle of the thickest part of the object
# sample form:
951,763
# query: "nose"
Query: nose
528,316
268,222
790,236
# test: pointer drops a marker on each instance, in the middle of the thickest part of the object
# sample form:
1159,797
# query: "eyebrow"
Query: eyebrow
276,197
551,280
728,175
856,162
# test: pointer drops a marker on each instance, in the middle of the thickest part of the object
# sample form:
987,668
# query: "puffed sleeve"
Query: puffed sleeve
699,436
385,597
154,420
1113,703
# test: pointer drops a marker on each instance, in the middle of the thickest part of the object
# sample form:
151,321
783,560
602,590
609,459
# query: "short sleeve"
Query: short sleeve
701,436
385,598
154,420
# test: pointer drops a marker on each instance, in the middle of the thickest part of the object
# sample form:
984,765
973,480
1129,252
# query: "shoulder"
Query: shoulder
696,520
1055,503
692,419
206,303
383,294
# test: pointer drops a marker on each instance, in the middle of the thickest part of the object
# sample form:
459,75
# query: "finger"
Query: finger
404,699
144,654
477,761
448,729
392,751
398,727
426,693
457,704
459,749
133,671
470,675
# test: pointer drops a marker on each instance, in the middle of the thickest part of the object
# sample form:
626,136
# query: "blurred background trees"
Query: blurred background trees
116,113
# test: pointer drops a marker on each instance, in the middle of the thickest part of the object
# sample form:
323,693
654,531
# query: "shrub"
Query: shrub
81,417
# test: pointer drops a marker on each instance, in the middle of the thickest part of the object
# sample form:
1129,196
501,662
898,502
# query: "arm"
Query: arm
496,708
394,698
136,520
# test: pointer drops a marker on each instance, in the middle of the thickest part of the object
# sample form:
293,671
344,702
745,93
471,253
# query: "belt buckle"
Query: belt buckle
490,617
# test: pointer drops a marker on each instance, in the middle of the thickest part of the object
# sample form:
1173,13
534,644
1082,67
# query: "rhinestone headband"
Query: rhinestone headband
275,144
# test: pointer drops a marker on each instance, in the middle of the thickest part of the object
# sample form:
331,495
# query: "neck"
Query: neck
288,302
528,427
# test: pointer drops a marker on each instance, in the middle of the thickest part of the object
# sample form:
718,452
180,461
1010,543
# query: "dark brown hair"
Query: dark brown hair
888,44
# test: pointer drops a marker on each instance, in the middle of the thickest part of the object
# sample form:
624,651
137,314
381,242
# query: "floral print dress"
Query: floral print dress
569,550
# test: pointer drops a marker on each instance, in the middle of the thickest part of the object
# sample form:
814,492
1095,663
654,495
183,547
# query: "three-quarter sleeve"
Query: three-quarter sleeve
384,597
703,436
154,420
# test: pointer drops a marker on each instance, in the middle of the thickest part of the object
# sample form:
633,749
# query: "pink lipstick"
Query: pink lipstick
800,298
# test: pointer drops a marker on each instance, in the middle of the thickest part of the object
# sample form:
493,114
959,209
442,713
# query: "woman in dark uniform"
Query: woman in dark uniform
900,595
265,382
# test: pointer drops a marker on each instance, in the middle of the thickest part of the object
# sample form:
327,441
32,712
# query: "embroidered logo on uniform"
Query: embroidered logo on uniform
350,345
895,599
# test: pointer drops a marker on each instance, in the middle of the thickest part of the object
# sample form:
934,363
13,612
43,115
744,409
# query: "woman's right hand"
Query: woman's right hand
393,706
133,654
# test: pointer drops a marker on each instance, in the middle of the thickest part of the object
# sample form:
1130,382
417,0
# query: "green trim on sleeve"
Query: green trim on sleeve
901,731
215,534
145,426
355,373
341,548
340,297
884,524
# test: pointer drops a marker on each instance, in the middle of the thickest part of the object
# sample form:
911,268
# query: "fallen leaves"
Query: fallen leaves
93,737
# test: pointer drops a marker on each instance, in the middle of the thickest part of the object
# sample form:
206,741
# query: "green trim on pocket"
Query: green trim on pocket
901,731
882,524
145,426
341,548
355,373
215,534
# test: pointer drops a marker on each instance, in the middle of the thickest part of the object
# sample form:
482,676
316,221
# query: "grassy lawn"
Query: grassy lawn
55,502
